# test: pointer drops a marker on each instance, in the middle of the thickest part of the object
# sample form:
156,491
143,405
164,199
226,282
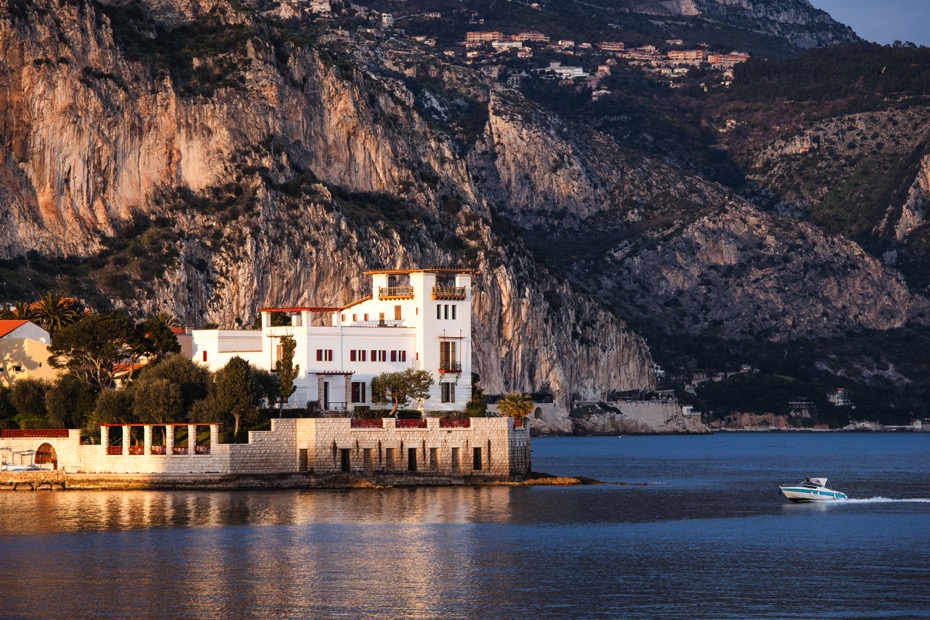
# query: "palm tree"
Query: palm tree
515,405
56,311
23,310
167,319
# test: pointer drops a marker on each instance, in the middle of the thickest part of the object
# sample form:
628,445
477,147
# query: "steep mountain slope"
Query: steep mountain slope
209,158
223,167
794,20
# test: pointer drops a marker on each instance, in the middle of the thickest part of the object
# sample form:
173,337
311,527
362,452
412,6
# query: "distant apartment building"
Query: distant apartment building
674,42
531,37
506,45
611,46
477,38
686,56
565,72
726,61
417,318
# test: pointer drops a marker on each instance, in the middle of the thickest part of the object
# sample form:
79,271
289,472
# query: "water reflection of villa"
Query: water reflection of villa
396,451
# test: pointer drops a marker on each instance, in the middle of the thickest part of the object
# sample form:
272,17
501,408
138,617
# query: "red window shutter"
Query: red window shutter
374,355
383,356
361,352
403,356
393,356
352,355
204,356
319,355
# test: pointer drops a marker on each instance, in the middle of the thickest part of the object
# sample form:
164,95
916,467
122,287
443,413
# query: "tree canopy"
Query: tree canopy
91,347
399,387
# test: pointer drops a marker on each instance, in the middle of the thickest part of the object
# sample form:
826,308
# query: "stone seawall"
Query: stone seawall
55,480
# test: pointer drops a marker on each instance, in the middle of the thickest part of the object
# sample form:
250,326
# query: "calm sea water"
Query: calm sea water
707,537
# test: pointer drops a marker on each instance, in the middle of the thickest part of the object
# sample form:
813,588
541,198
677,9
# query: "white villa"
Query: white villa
414,318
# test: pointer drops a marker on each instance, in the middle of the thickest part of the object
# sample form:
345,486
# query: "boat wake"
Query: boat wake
888,500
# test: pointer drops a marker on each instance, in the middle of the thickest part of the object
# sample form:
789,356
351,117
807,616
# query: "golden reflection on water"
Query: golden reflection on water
313,553
73,511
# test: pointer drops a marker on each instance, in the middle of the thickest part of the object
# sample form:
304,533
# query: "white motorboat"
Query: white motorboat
811,490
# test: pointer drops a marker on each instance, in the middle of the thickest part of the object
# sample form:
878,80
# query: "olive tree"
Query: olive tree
399,387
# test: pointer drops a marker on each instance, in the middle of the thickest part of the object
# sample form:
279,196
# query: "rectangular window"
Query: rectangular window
393,356
324,355
448,362
403,356
352,355
319,355
343,318
366,316
359,389
412,459
448,392
374,355
476,460
439,311
396,313
446,312
362,355
453,312
354,317
204,356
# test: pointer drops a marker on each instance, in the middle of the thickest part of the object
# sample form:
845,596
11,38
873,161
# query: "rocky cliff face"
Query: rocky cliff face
265,173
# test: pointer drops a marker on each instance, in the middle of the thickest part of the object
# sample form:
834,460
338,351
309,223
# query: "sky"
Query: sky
882,21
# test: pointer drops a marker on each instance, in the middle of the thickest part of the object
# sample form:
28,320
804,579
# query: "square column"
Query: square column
125,440
146,440
191,440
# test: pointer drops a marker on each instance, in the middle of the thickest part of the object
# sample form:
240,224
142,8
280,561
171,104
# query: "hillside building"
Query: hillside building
24,352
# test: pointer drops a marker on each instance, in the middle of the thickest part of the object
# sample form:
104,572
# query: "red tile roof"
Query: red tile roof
6,326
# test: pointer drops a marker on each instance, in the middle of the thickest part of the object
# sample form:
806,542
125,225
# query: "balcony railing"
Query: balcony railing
178,449
136,450
455,423
201,449
450,367
449,292
395,292
157,449
367,423
115,450
410,423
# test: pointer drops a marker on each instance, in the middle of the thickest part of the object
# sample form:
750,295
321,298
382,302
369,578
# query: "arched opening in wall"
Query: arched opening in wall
538,414
46,454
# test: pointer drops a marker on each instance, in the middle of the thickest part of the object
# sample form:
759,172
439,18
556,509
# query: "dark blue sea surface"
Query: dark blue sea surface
697,531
